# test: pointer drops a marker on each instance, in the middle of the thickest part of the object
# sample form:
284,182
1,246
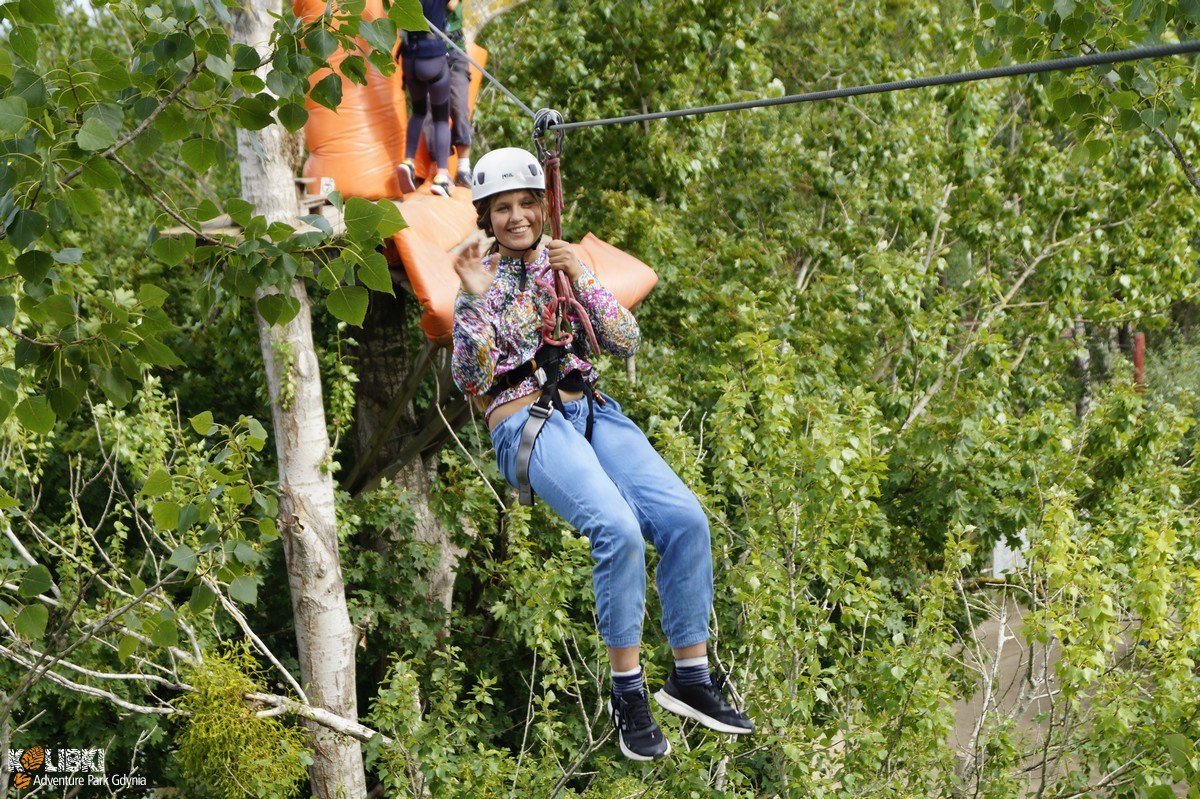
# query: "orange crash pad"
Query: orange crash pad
437,224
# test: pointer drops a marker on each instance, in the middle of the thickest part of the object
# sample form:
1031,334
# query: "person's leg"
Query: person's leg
564,473
672,517
434,73
462,133
418,98
669,515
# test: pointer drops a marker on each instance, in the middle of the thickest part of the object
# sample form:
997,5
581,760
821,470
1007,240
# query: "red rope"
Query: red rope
564,309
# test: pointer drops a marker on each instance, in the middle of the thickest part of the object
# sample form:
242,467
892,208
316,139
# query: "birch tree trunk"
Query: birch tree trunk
307,522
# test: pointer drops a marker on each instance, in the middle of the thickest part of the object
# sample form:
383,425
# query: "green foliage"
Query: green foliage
227,751
863,356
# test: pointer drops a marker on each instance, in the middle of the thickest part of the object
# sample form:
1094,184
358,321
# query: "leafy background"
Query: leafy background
889,333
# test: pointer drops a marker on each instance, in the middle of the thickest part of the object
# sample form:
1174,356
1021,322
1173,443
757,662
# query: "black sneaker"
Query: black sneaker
637,732
704,703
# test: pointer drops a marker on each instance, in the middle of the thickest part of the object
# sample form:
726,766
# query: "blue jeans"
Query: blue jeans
619,493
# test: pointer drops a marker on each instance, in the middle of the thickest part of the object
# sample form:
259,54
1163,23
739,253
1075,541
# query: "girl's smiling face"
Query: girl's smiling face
517,219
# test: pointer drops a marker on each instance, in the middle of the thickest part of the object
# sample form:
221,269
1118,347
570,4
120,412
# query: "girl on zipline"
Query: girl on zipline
591,465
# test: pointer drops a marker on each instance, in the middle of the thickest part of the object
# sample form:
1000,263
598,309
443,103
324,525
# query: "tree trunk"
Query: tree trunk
324,636
384,366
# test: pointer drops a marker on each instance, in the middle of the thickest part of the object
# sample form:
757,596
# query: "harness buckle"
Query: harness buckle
539,375
540,411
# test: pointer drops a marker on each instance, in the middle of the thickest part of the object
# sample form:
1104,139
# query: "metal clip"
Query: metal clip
540,376
542,122
541,411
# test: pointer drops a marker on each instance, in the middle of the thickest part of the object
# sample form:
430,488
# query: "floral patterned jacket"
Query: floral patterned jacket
502,329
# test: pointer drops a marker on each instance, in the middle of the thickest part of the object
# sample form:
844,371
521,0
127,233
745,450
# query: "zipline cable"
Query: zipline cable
528,111
1054,65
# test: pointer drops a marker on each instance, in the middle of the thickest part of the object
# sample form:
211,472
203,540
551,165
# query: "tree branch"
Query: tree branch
240,618
111,152
321,716
58,679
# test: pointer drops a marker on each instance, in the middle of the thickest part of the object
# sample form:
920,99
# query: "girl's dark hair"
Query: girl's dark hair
483,214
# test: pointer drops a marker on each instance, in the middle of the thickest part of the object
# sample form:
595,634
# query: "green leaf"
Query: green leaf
36,415
321,44
374,273
1153,117
128,645
202,598
221,66
392,222
244,590
1064,8
202,423
116,386
244,553
30,87
155,353
1098,148
1123,98
293,116
173,124
278,309
13,114
200,154
151,296
165,515
1181,750
84,202
36,581
68,255
355,69
327,91
245,58
63,401
408,16
8,310
349,303
379,33
174,250
39,12
158,483
94,135
24,43
362,219
254,113
99,174
26,227
184,557
34,265
165,633
31,622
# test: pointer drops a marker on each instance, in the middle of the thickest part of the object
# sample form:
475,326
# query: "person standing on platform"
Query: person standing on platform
427,84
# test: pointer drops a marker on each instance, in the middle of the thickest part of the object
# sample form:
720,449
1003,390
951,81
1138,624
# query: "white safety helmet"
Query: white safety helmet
506,169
